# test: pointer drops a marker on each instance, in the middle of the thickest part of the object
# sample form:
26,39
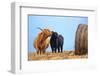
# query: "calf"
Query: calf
56,42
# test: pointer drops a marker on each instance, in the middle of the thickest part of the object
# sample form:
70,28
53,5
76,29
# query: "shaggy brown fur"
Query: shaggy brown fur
41,42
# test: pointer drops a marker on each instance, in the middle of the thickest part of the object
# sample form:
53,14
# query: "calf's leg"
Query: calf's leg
58,49
61,48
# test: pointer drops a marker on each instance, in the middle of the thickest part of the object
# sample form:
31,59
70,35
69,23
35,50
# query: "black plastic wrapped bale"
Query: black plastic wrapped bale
81,40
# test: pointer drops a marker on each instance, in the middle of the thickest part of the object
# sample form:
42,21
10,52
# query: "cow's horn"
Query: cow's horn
40,28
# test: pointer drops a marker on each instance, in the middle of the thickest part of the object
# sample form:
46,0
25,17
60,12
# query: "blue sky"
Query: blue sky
64,25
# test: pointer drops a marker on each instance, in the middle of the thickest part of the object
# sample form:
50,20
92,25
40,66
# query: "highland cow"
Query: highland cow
41,42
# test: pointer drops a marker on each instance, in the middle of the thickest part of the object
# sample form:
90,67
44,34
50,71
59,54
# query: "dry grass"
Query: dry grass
55,56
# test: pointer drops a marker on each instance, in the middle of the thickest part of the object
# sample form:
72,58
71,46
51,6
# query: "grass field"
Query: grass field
55,56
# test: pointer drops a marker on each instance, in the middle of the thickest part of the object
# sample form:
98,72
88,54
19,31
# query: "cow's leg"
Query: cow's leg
58,49
61,48
55,49
52,49
40,52
37,51
43,51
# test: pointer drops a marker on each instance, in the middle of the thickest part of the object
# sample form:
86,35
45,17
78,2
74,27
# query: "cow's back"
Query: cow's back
60,40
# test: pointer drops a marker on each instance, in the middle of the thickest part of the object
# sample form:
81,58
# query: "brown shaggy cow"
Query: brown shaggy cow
41,42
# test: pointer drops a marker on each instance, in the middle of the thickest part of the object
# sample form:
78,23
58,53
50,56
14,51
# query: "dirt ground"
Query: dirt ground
55,56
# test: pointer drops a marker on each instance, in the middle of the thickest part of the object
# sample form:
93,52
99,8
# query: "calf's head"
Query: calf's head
54,34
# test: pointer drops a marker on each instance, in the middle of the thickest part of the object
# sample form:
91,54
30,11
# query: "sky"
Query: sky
64,25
